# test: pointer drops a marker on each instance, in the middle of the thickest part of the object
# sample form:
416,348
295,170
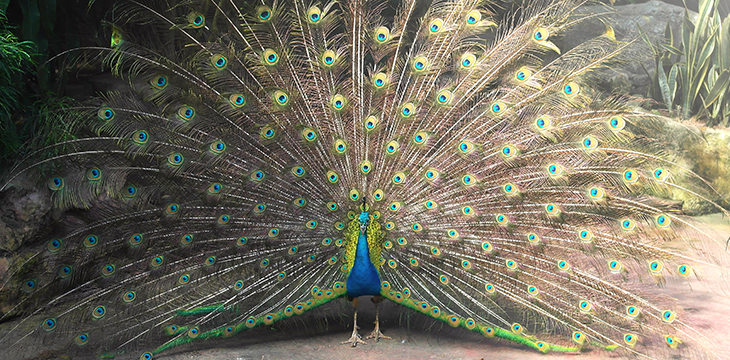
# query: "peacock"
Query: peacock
267,157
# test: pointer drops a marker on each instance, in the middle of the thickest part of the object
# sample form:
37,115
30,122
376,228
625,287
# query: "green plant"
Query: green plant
34,115
699,70
664,55
15,61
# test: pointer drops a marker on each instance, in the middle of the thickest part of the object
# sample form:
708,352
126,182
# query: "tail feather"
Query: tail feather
515,198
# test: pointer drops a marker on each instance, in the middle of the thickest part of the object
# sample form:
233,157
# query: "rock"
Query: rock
626,20
23,213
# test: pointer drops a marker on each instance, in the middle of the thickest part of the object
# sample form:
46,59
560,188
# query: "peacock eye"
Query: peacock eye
467,60
435,25
263,13
314,14
420,63
196,20
540,35
219,62
159,82
105,114
407,110
382,34
338,102
473,17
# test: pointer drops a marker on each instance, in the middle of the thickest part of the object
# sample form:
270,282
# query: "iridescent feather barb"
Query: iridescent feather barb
269,158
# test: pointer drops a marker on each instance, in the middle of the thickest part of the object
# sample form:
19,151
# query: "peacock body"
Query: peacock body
270,157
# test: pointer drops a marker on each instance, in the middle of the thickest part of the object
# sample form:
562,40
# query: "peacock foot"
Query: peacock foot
354,339
377,335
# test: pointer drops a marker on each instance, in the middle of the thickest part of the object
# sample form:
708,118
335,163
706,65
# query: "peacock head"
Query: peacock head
364,216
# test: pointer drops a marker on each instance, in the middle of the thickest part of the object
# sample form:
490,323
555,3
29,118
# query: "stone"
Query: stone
23,213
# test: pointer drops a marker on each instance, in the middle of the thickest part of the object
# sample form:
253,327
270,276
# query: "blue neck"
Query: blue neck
363,278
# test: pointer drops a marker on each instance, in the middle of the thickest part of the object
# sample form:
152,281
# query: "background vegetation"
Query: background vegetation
692,72
32,88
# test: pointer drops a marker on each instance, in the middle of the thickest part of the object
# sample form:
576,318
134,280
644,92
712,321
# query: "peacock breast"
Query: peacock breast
362,253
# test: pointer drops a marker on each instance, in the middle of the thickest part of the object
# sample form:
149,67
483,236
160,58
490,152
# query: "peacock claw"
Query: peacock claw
377,335
354,339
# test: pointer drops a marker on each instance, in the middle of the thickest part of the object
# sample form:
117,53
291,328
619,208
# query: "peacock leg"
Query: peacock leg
355,338
376,334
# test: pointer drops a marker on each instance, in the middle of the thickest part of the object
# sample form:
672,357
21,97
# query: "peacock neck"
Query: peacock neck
363,278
